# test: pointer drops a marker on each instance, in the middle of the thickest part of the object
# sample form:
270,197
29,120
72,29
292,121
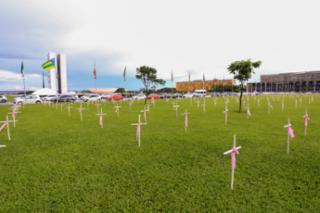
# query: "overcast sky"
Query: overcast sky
200,36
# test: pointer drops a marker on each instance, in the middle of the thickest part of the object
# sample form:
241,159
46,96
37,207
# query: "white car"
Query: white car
94,98
188,95
3,99
29,99
140,96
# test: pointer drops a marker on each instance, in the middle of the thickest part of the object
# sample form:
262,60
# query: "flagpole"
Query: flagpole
23,79
24,86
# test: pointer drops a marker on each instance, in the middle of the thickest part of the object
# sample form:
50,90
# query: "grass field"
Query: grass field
57,163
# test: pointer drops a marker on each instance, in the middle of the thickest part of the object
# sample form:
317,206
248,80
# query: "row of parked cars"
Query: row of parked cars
36,99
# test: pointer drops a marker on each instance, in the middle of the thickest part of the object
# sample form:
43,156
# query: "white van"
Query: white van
199,93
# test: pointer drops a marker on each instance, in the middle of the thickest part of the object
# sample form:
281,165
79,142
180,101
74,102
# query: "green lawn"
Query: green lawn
57,163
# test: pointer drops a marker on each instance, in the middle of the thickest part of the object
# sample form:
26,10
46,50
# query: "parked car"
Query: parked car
30,99
94,98
165,95
188,95
153,96
140,96
67,98
199,93
84,98
3,99
51,98
177,95
114,97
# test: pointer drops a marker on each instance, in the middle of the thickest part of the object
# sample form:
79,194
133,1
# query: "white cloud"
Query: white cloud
13,81
180,35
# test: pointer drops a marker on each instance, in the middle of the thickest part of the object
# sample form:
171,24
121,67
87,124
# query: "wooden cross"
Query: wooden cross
306,119
130,104
101,114
138,130
288,126
233,153
5,124
69,110
186,120
248,112
117,107
176,107
204,105
145,110
13,114
80,109
226,114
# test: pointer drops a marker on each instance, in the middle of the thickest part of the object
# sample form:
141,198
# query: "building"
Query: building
287,82
187,86
58,76
102,90
62,73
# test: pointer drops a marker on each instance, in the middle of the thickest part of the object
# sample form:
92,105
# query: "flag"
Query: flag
94,72
48,65
125,74
22,67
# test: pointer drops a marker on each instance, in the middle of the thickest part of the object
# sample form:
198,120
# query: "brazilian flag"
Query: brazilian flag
49,64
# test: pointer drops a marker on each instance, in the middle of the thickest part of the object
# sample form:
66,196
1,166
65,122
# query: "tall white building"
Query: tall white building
58,76
53,72
62,73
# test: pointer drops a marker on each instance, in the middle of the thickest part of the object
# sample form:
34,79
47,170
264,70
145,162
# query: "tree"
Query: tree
242,71
148,76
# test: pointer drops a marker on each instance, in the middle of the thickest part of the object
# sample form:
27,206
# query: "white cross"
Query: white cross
5,124
138,130
204,105
288,139
306,122
145,110
186,120
69,109
80,109
176,107
117,107
101,114
13,114
130,104
231,151
225,115
248,112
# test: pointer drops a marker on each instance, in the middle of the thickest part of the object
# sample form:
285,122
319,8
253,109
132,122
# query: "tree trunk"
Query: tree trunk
145,100
240,98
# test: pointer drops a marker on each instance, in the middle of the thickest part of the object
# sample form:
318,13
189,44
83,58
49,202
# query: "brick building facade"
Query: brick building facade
187,86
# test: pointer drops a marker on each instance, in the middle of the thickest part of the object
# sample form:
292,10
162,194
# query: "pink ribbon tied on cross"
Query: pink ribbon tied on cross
290,132
234,152
14,113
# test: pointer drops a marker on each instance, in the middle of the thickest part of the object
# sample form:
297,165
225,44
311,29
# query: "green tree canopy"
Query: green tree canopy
242,71
148,76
